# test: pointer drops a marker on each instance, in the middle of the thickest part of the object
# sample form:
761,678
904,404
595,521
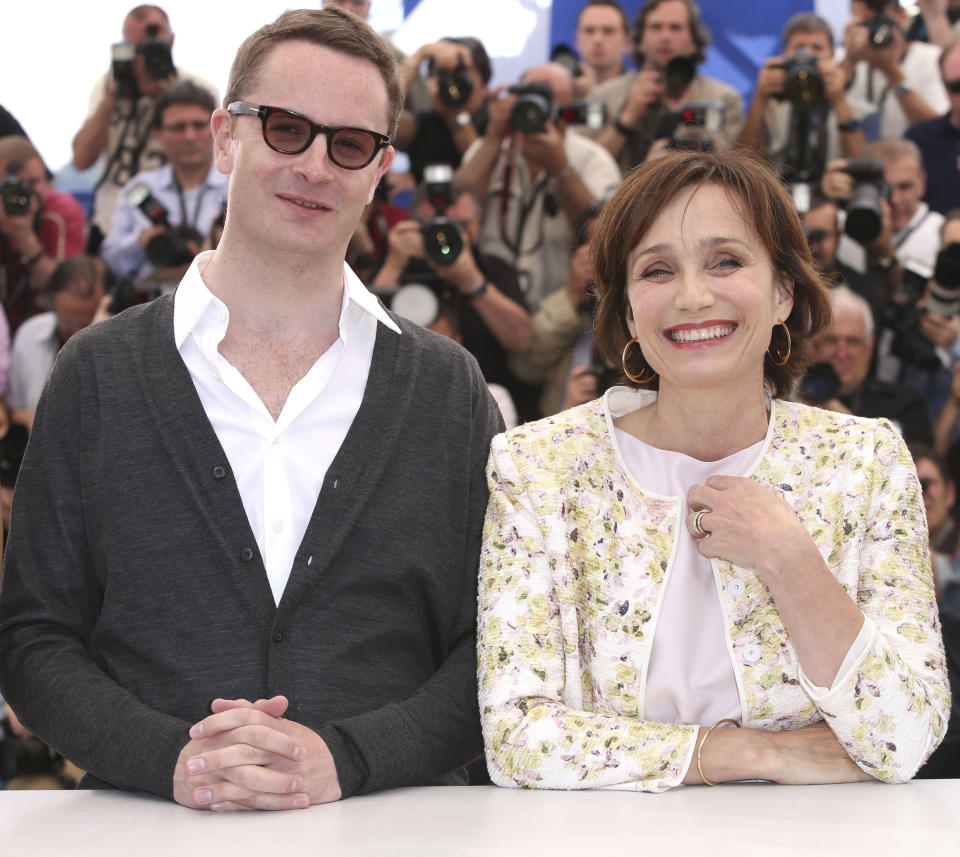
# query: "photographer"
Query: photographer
821,222
848,347
121,110
801,95
900,79
189,191
537,179
492,319
670,43
39,227
78,293
458,71
908,230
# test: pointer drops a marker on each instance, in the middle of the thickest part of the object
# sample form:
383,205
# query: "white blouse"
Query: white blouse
690,678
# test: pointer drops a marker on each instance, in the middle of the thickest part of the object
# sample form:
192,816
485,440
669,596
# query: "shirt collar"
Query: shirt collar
213,178
193,299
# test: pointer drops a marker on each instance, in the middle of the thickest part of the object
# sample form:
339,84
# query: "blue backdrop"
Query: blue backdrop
744,33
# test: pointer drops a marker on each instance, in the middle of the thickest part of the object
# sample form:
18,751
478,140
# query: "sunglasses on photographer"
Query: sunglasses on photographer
292,133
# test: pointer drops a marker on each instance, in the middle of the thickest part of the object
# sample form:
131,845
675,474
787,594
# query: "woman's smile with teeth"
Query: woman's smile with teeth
701,334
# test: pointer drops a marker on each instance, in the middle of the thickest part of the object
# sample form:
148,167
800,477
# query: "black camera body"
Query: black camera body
442,241
533,108
902,315
804,84
16,195
699,114
864,216
881,27
157,62
454,86
593,114
819,384
944,295
157,56
678,74
170,246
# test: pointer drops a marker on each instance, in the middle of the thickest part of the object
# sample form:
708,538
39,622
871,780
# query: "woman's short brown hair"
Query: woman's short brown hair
760,199
329,28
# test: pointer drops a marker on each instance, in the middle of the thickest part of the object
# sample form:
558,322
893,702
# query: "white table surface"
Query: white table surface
918,819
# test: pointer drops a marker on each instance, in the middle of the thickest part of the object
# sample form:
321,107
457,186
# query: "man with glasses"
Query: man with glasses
848,347
939,140
242,563
190,190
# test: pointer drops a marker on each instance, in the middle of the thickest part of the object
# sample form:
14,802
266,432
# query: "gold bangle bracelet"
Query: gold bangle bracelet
703,741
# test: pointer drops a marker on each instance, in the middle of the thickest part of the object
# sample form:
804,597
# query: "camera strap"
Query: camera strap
909,230
184,220
516,247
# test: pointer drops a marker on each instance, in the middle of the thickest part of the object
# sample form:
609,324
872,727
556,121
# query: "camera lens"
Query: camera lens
442,241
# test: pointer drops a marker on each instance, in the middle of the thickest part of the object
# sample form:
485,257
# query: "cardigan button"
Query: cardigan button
278,636
246,554
752,654
735,588
219,472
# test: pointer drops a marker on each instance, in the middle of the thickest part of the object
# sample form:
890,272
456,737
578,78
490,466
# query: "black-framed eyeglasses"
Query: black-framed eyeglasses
291,133
952,85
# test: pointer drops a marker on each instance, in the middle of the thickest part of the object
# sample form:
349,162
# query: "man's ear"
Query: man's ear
386,158
221,124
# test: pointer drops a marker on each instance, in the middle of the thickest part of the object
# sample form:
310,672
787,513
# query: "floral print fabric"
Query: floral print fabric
574,563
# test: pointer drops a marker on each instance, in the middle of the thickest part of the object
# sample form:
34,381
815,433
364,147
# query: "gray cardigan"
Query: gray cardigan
134,593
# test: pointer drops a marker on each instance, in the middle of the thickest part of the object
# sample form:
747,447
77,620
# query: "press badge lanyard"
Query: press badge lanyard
183,204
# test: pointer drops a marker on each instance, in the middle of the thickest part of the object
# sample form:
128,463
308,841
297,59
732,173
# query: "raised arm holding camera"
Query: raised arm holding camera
120,117
901,79
165,213
670,43
458,71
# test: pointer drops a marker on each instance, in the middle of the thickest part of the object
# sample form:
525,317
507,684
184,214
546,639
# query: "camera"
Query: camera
593,114
170,247
902,315
454,86
157,62
442,241
533,107
804,84
121,60
700,114
678,74
16,193
881,27
157,58
864,216
944,295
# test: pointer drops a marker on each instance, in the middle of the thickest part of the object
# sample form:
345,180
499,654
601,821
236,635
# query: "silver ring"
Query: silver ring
698,526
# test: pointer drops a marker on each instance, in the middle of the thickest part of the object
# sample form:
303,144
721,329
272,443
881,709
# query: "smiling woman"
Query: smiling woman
693,551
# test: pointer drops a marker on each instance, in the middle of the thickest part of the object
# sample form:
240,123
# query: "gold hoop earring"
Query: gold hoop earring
779,360
623,360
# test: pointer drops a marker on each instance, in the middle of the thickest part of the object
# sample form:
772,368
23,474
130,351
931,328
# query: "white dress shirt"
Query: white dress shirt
279,466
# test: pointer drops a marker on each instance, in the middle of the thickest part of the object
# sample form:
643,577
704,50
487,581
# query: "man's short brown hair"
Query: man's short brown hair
762,202
331,28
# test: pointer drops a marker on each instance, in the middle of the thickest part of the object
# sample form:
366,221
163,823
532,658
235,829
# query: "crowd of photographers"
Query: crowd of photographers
483,233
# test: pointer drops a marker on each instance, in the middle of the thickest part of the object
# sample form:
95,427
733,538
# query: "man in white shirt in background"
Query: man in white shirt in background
190,189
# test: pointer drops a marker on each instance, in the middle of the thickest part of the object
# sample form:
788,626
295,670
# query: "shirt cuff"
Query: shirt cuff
855,655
